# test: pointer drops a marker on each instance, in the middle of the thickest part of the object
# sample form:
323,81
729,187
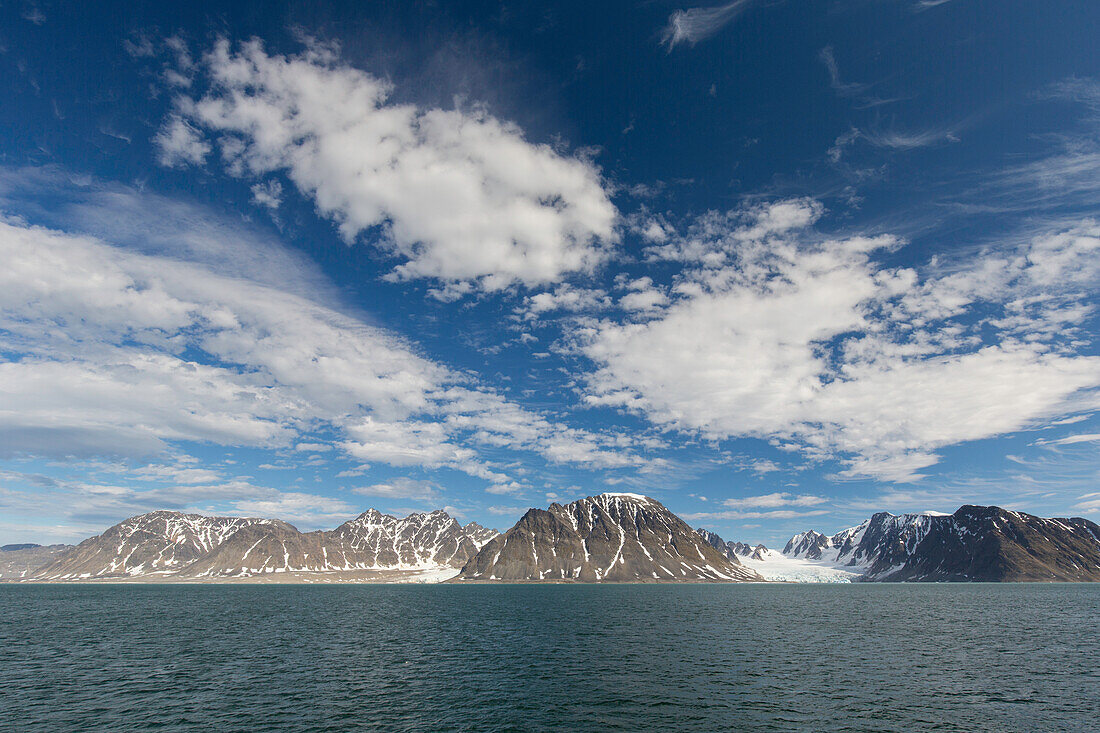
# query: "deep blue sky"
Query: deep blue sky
776,264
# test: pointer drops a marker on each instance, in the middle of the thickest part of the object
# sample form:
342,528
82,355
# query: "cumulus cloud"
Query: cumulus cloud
566,298
180,144
698,24
777,333
459,194
643,296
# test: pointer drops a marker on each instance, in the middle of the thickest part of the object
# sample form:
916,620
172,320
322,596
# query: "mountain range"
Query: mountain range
192,546
613,537
976,543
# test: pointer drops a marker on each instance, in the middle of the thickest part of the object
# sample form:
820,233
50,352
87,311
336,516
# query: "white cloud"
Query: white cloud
774,500
712,238
507,511
643,296
772,514
922,5
313,447
777,334
1071,439
460,194
845,88
94,502
909,139
402,488
403,443
124,352
268,194
565,298
177,474
512,487
311,509
698,24
180,144
1089,505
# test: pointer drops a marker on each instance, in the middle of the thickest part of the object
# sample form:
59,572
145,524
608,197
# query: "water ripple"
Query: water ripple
553,658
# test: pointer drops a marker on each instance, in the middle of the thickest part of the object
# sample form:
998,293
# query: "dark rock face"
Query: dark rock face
975,543
993,544
193,546
24,546
808,545
611,537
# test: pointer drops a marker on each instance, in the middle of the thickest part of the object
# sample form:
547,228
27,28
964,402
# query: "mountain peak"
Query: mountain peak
610,537
622,495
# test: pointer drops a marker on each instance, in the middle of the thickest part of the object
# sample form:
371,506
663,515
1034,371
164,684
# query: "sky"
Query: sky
778,264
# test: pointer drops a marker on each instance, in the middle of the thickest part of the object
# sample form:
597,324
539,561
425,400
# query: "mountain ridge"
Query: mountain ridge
191,546
975,543
611,537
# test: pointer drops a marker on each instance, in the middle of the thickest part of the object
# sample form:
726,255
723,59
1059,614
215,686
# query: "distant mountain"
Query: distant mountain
157,542
18,561
610,537
195,546
975,543
732,550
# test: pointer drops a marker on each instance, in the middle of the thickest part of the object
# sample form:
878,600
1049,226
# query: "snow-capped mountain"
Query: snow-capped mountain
975,543
774,565
194,546
610,537
149,543
880,541
732,550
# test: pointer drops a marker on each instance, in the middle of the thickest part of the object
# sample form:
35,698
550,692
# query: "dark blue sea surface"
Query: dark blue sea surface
556,657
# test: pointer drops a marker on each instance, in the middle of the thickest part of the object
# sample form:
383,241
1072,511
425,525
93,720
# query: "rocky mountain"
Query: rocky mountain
611,537
975,543
17,561
480,535
732,550
157,542
195,546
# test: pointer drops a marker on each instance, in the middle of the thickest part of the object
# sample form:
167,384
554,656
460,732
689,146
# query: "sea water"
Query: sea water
965,657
